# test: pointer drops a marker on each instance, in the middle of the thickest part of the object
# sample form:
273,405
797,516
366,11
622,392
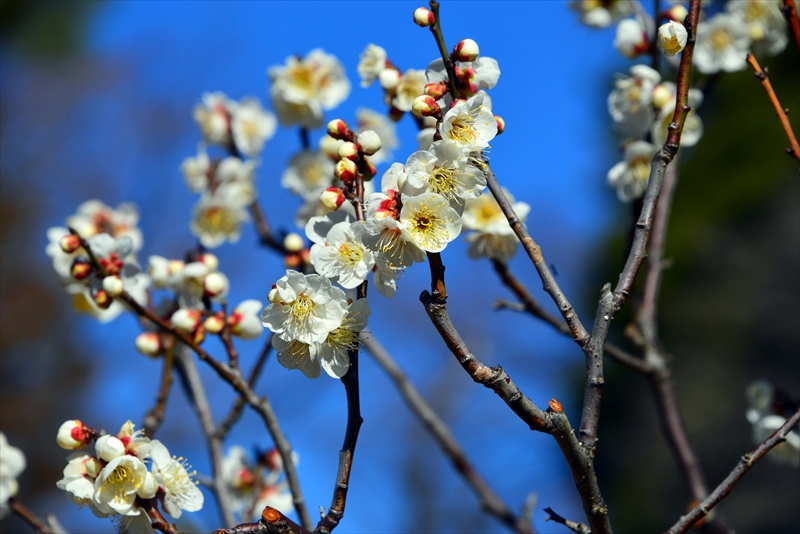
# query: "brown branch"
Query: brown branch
194,388
789,10
579,528
488,499
745,463
227,340
436,30
236,410
155,416
783,114
157,519
29,517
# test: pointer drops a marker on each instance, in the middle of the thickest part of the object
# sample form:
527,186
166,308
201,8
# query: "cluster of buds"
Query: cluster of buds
352,152
296,250
104,270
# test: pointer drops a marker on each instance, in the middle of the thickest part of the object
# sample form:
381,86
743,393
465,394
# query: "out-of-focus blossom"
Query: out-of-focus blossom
631,39
765,24
410,85
630,177
244,320
692,127
252,126
722,44
371,62
252,487
93,217
601,13
309,173
492,237
214,117
629,103
12,464
218,216
196,170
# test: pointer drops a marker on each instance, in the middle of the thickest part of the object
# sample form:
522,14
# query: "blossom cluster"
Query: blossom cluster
252,486
115,480
12,464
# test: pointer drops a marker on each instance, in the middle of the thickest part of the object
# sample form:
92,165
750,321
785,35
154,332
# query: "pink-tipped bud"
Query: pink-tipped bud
102,299
80,269
332,198
677,13
148,343
199,335
662,95
214,324
186,320
369,141
389,78
73,435
210,260
435,90
501,124
330,147
293,260
465,50
113,285
69,243
338,129
346,170
348,150
215,284
425,106
294,242
423,17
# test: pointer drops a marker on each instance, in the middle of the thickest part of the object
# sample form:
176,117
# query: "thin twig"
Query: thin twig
488,499
154,417
236,410
747,461
29,517
789,10
579,528
436,30
157,519
197,396
783,114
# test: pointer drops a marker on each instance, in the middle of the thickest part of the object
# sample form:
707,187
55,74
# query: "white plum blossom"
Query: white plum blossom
470,124
410,86
692,127
303,88
93,217
631,38
386,274
309,173
672,37
180,491
306,308
196,170
333,352
445,169
601,13
371,62
244,320
630,177
78,481
722,44
491,235
214,117
368,119
117,483
297,355
425,137
766,25
218,216
630,102
252,126
343,257
430,221
12,464
472,76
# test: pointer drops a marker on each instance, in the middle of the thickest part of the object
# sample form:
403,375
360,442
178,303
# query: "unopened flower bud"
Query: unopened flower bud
330,146
293,260
425,106
109,447
73,435
348,150
338,129
423,17
435,90
672,37
369,141
148,488
80,269
215,284
332,198
148,343
210,260
69,243
662,95
93,467
369,171
186,320
465,50
389,78
345,170
199,335
102,299
294,242
677,13
214,324
113,285
273,297
501,124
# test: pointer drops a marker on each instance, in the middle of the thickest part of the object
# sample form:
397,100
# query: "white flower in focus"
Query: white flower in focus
196,170
244,320
491,235
692,127
309,173
333,352
218,216
297,355
470,124
135,441
343,257
631,39
765,23
672,37
252,126
302,88
368,119
722,44
116,485
787,452
386,274
601,13
79,476
12,463
430,221
410,86
630,177
629,103
214,117
180,491
444,169
371,62
306,308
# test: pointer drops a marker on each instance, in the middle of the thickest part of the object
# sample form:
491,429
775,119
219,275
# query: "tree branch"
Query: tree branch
29,517
789,10
578,528
155,416
236,410
747,461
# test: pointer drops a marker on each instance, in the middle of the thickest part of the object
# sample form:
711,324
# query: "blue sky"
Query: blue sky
124,138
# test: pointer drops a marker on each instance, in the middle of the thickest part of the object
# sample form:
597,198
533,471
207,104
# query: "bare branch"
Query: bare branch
236,410
789,10
154,417
29,517
579,528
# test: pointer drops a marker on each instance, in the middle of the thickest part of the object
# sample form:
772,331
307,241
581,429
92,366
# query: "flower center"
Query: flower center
217,220
427,228
302,308
720,39
350,254
443,181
